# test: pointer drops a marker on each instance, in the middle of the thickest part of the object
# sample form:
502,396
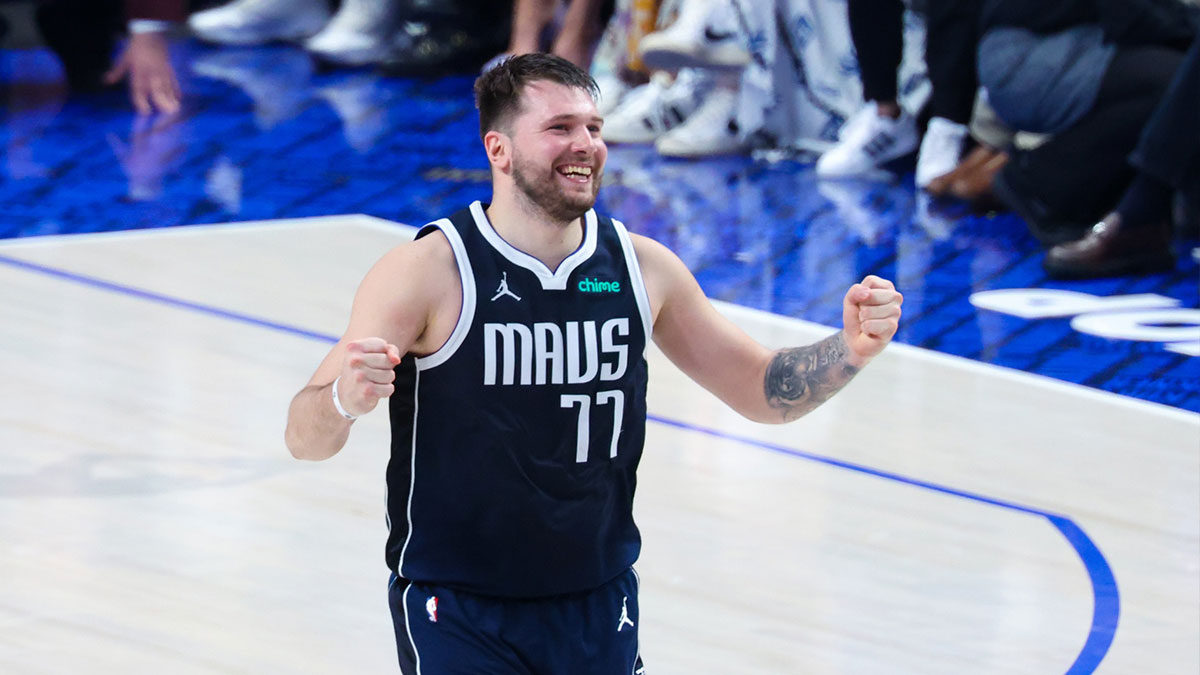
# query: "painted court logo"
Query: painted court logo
597,286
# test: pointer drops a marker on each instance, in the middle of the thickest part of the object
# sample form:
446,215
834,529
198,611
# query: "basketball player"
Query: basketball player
509,339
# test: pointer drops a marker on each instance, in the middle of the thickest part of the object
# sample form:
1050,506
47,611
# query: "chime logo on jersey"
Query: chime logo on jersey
547,353
597,286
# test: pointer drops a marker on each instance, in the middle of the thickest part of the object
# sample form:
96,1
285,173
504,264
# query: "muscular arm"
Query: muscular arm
763,385
402,305
802,378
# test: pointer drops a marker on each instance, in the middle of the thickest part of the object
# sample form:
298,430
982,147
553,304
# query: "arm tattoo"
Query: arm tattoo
803,378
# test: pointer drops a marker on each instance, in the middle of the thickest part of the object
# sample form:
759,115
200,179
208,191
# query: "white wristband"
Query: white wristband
338,404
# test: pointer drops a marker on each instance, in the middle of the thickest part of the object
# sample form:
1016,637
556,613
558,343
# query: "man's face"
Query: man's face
558,155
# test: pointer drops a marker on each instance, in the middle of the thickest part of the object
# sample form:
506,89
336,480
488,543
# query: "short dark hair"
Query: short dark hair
498,91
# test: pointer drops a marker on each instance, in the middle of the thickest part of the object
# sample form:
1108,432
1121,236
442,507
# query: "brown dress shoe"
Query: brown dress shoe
976,186
1110,250
940,186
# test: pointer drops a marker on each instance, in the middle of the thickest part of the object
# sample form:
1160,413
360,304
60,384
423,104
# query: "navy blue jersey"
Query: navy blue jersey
515,445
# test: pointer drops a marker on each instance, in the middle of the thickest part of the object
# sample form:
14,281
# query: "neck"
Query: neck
528,228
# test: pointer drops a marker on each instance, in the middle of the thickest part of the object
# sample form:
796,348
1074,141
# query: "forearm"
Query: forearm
315,430
799,379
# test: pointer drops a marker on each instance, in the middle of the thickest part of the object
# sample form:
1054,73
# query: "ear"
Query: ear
499,149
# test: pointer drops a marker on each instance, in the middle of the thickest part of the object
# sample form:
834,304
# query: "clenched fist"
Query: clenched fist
367,374
870,316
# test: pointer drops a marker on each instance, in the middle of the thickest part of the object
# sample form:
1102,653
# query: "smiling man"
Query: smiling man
510,338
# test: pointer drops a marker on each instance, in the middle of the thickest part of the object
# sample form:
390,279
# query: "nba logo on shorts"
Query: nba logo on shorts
431,608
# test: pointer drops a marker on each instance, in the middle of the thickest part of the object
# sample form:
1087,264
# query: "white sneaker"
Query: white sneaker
254,22
710,130
867,142
704,35
359,34
654,108
940,150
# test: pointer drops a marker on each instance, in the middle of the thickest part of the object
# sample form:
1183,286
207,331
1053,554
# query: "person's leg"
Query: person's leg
951,28
1136,236
877,31
441,631
82,33
581,27
1169,144
951,41
404,647
880,131
590,633
529,21
1070,181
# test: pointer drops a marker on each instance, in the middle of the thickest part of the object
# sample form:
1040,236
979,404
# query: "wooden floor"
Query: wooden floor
939,516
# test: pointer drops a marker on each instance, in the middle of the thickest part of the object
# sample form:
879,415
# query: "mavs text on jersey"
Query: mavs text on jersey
515,445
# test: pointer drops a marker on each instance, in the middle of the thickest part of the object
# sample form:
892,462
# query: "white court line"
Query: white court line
195,230
729,309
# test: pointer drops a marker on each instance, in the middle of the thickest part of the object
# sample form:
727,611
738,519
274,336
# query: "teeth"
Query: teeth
577,170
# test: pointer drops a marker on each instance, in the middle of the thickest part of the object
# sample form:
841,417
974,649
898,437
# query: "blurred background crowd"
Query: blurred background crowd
1082,116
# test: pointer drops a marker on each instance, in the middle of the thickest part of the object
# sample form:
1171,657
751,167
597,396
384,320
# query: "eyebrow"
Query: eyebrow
571,116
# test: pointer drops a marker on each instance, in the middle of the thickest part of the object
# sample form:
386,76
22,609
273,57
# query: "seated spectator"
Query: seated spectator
1136,235
1091,75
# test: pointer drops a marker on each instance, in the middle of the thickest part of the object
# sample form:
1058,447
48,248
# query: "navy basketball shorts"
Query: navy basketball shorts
442,631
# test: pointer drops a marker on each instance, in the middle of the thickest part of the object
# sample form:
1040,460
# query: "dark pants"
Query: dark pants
83,34
1169,146
1079,175
877,31
951,41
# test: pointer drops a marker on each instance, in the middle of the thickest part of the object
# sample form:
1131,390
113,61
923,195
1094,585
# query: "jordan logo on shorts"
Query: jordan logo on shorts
431,608
624,615
503,289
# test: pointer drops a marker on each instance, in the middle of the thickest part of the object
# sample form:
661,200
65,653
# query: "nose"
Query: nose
582,141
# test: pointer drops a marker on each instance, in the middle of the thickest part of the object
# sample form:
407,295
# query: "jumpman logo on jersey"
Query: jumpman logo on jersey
624,615
502,289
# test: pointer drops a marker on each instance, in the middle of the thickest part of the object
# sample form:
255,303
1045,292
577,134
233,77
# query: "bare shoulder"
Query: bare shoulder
406,295
665,274
414,267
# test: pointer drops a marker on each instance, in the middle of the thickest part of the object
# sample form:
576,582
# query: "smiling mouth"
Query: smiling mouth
576,173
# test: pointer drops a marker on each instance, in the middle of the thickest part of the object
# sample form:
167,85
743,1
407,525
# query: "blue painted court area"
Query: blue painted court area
264,135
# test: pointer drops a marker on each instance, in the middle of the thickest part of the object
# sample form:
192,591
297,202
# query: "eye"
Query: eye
594,128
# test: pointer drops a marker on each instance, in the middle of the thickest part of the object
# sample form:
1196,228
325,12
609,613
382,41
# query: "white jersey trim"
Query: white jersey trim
551,281
639,284
637,588
408,626
467,313
412,476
